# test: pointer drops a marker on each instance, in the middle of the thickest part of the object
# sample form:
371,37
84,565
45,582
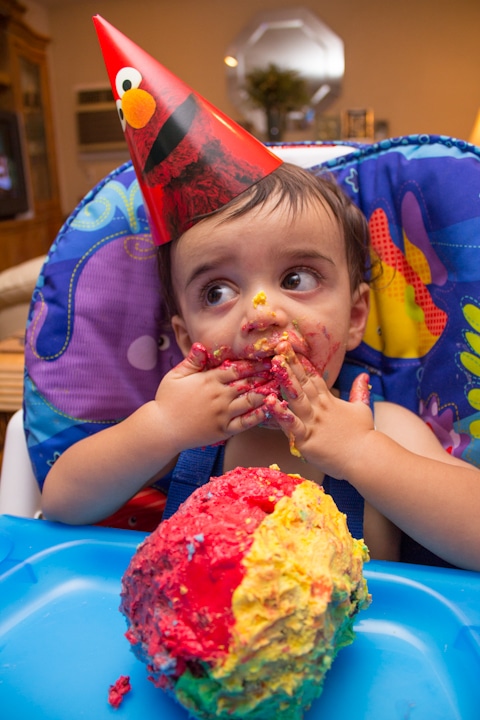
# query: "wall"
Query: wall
415,62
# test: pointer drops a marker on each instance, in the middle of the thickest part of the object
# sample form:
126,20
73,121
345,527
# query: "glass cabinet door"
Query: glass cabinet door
33,108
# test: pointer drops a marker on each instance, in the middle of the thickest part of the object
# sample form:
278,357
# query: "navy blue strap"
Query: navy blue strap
349,501
194,468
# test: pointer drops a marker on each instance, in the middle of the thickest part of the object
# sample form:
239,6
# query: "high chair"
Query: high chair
19,490
97,343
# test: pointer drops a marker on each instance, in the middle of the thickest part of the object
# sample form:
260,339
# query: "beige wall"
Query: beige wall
415,62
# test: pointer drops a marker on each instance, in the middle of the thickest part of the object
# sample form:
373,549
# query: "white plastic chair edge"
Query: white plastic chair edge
19,491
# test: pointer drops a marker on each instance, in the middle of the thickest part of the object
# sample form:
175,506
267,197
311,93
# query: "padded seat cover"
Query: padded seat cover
97,345
421,196
96,342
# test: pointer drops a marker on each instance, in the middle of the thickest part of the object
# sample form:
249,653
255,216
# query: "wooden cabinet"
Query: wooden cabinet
24,87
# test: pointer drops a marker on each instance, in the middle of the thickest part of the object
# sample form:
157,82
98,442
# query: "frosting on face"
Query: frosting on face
259,299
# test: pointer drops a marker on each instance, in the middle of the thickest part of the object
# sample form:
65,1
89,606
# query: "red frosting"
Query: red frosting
177,591
118,690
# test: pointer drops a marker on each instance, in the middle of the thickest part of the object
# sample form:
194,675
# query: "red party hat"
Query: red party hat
190,158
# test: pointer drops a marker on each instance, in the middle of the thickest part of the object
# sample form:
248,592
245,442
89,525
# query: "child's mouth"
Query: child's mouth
267,346
269,379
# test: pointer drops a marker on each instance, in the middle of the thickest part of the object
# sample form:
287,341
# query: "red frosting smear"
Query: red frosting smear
118,690
177,591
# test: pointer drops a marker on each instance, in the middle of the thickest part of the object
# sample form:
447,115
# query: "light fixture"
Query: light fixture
230,61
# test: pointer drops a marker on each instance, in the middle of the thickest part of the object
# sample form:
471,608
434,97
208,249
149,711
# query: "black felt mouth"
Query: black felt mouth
172,133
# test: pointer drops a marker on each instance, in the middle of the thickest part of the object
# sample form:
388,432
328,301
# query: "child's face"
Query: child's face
244,284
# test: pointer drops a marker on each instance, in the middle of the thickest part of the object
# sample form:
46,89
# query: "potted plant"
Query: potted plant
277,92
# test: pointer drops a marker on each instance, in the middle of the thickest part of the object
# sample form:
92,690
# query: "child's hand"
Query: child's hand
321,428
206,405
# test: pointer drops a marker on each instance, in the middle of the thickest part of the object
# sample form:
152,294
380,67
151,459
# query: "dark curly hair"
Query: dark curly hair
297,187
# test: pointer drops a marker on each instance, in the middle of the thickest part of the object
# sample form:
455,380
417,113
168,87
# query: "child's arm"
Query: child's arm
432,496
399,467
193,407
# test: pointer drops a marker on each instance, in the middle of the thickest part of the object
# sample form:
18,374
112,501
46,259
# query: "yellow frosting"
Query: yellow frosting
259,299
293,609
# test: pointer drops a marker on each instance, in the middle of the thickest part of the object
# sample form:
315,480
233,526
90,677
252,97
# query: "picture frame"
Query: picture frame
358,124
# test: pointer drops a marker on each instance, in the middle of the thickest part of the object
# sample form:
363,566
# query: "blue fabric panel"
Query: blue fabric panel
97,343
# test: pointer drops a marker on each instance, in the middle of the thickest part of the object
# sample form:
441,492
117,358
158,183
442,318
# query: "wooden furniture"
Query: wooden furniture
11,372
17,284
24,88
11,380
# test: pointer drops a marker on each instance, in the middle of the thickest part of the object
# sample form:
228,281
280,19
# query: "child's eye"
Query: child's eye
218,294
300,280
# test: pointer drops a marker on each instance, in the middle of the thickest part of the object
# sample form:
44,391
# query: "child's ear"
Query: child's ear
181,334
358,315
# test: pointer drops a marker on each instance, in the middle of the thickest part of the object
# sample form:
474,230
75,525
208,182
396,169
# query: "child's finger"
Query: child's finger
195,361
360,391
296,375
287,421
247,368
279,410
246,403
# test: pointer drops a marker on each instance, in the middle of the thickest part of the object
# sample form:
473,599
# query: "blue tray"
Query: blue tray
416,655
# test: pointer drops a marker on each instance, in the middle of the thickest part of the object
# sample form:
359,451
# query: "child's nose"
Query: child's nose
263,312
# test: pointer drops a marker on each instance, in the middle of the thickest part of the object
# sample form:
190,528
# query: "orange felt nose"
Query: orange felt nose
138,107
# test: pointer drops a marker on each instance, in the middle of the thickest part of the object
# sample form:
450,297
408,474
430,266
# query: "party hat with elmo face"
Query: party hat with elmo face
190,159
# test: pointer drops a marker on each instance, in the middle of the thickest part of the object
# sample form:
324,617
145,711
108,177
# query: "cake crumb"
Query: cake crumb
118,690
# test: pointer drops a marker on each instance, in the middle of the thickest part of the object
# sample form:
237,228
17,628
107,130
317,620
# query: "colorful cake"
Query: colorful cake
239,602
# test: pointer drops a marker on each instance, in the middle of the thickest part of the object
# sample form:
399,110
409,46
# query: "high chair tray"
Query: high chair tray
62,644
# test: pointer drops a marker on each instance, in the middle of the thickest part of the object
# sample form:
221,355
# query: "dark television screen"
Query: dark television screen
13,188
